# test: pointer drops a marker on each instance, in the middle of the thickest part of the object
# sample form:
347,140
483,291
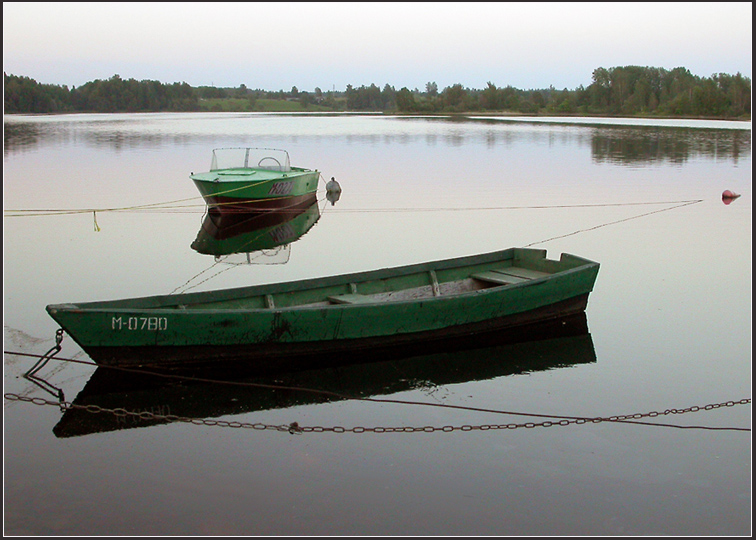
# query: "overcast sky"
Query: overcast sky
329,45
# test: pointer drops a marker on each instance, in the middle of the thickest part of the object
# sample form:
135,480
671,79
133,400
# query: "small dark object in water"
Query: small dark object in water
729,196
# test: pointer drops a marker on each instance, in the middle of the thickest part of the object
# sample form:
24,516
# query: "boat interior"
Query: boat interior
439,279
426,283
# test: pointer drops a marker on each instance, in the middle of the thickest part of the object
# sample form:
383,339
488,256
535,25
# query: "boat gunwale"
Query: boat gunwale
324,304
207,176
174,304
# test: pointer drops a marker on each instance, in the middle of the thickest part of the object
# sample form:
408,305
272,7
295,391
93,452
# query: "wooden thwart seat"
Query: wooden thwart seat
508,276
522,272
497,278
350,299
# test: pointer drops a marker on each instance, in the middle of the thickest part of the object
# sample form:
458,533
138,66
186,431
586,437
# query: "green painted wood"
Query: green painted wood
498,278
369,305
351,299
241,184
526,273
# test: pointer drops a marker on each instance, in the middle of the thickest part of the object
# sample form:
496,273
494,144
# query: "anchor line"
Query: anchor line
31,375
681,205
561,420
172,206
522,207
167,205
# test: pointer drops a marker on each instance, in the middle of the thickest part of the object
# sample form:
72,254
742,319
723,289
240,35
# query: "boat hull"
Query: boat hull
262,191
273,355
366,313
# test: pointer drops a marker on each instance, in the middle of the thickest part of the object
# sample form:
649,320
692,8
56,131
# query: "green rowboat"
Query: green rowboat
241,179
417,306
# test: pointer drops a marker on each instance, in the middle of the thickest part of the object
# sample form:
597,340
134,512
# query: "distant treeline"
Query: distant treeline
25,95
628,90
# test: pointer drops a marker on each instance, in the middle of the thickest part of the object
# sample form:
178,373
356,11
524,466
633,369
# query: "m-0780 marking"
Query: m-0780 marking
281,188
151,324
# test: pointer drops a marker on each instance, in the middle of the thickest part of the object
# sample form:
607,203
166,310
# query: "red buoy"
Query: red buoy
729,196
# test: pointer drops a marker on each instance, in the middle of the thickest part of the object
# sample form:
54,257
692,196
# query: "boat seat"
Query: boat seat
353,298
498,278
509,275
522,272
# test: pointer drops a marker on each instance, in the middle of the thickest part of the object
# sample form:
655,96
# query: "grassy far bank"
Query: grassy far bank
629,91
264,105
289,106
340,105
258,105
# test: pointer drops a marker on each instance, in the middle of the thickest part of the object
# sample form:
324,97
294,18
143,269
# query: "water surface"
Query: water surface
668,326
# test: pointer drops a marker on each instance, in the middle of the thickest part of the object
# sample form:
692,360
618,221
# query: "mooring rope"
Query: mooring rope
166,208
682,204
561,420
43,359
679,204
520,207
166,205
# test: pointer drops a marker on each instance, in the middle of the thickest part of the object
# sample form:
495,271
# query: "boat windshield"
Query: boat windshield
256,158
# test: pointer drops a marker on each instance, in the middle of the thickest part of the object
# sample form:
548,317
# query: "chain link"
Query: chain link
31,375
295,428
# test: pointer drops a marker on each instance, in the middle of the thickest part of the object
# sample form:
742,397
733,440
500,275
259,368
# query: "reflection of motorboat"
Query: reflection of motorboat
247,232
239,390
417,305
262,177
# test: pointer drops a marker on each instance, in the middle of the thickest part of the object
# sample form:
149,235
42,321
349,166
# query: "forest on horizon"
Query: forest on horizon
627,90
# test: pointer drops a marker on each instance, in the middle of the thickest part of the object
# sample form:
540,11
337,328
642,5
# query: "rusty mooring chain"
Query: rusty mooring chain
295,428
31,375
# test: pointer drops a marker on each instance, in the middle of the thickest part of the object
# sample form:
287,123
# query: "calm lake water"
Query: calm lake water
101,207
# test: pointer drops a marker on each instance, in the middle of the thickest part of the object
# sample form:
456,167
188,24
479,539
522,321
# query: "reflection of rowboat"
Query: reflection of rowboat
419,305
259,177
559,343
226,233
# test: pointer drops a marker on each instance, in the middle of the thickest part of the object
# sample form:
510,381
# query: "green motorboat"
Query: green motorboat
244,179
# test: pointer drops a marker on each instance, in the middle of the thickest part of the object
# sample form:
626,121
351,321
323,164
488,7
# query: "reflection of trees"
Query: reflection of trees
627,146
115,134
623,145
19,135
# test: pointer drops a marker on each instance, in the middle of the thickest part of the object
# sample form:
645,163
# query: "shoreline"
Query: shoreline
465,114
